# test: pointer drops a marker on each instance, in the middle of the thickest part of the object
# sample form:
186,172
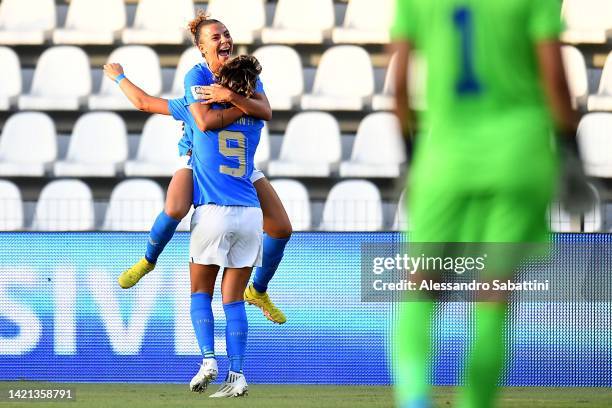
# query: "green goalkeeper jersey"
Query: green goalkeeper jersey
487,119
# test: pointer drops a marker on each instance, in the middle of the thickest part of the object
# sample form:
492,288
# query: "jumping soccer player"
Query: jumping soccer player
214,41
484,168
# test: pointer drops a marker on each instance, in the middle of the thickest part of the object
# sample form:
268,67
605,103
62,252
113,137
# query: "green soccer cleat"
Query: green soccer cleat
262,301
131,276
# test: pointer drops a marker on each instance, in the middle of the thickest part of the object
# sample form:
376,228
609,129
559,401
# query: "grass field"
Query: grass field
291,396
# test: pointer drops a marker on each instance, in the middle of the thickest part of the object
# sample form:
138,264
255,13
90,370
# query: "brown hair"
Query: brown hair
201,19
240,75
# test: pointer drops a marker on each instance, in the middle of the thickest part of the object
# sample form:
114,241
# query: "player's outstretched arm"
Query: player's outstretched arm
139,98
256,106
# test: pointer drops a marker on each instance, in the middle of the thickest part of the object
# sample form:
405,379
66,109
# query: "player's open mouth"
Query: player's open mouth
225,52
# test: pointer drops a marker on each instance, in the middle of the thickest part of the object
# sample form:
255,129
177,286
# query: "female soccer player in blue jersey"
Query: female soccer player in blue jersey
214,41
227,223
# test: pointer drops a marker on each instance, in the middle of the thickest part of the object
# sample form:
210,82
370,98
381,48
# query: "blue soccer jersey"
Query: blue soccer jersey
222,159
186,142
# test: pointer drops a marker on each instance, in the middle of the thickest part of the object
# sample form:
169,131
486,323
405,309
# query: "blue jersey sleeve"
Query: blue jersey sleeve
197,77
179,110
259,88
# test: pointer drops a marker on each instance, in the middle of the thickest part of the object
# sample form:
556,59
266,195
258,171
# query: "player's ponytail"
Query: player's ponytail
201,19
240,75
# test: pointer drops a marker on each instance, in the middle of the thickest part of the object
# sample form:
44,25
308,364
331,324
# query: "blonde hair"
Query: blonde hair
201,19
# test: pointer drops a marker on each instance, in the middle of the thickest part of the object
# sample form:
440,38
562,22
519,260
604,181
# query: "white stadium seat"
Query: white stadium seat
296,201
576,73
262,154
282,75
62,80
160,22
365,23
603,100
141,65
10,80
26,22
378,150
587,21
300,22
190,57
157,154
64,205
98,145
560,220
400,221
593,219
344,80
134,205
11,207
88,22
417,78
353,205
21,132
243,18
311,147
595,142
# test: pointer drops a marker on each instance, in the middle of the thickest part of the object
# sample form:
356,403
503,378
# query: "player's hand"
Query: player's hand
113,70
216,94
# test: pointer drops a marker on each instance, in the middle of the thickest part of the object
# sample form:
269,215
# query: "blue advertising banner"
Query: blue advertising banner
64,318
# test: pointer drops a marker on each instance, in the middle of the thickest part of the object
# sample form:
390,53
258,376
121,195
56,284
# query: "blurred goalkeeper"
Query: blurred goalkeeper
485,166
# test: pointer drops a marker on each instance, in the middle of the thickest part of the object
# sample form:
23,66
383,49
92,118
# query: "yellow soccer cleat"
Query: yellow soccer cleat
131,276
262,301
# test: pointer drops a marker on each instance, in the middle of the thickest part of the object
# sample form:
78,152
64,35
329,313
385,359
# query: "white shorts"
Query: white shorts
229,236
183,162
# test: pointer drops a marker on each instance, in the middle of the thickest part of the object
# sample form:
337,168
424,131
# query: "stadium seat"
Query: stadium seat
26,22
160,22
262,154
595,142
344,80
378,150
282,75
190,57
88,22
21,132
11,207
134,205
62,80
561,221
296,201
10,80
603,100
64,205
587,21
98,145
365,23
141,65
243,18
576,73
353,205
400,221
593,219
311,147
300,22
157,154
417,78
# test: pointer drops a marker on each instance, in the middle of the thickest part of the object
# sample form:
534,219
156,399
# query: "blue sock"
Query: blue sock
236,334
161,232
273,250
203,323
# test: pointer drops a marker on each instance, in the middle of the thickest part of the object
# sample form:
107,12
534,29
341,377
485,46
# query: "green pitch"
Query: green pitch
293,396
